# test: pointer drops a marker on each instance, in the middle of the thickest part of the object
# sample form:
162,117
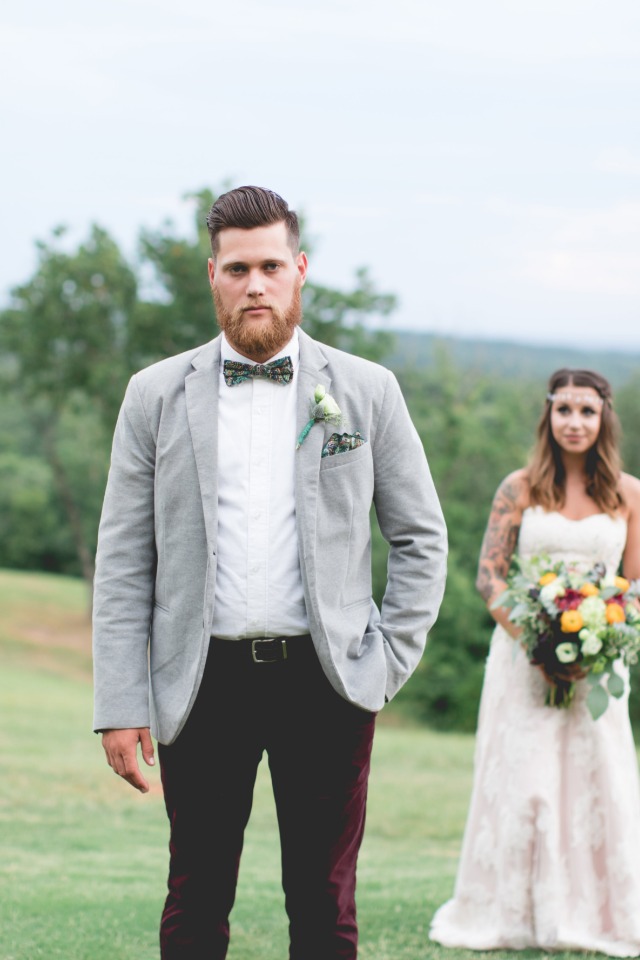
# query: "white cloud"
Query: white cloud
515,31
594,251
438,200
586,271
619,160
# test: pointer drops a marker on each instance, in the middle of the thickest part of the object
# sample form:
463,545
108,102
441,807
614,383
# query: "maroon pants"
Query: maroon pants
319,749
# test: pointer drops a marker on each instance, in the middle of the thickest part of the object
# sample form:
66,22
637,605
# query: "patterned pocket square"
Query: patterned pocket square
342,443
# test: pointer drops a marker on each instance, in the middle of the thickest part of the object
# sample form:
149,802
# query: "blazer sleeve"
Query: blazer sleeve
411,521
125,574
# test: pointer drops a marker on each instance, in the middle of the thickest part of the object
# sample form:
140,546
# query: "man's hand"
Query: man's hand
121,748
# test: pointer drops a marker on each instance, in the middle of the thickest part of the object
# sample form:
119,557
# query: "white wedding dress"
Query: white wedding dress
551,851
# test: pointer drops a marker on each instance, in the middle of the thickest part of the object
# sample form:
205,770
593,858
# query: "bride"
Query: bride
551,852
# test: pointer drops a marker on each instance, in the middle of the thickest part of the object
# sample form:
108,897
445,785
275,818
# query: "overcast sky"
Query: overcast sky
482,158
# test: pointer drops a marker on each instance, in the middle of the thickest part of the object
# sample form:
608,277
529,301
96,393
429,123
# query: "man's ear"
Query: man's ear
302,264
211,266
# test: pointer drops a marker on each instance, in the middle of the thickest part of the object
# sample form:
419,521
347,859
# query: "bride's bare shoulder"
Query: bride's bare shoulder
515,489
630,490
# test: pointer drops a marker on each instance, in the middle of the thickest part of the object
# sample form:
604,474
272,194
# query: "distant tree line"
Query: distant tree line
75,332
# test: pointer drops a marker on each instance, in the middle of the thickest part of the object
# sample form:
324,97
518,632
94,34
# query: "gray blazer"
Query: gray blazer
156,561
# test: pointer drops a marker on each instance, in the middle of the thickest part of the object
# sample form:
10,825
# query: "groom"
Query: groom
233,611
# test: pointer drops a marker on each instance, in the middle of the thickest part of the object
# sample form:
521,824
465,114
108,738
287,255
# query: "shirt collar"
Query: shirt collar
291,349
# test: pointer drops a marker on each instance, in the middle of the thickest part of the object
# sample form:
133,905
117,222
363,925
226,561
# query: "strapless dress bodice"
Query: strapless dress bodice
598,538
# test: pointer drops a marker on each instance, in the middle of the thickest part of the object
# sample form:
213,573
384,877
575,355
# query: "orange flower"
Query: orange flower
547,578
589,590
615,613
621,583
571,621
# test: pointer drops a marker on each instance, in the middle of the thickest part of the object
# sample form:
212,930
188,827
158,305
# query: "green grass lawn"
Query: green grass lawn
84,857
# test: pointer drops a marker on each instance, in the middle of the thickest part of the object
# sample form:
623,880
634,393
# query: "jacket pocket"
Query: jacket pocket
349,458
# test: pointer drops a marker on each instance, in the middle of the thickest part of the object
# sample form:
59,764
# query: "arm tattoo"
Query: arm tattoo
500,540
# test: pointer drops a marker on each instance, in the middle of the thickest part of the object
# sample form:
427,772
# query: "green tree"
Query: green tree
31,533
627,404
64,337
337,318
177,314
475,430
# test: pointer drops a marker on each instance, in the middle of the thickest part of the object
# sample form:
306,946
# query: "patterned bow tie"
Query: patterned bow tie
280,371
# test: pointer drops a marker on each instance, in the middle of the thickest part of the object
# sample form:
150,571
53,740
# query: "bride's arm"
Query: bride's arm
631,560
499,543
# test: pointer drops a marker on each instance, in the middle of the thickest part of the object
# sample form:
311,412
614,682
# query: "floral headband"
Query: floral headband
576,397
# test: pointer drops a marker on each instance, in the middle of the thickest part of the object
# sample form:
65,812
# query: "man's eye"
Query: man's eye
271,267
237,268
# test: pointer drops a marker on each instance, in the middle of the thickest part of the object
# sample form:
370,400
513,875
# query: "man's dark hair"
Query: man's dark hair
248,207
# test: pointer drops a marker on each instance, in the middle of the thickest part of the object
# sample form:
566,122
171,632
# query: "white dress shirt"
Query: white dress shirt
258,580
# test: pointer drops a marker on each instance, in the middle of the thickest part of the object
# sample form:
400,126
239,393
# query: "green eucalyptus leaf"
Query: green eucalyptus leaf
607,592
597,701
504,600
615,685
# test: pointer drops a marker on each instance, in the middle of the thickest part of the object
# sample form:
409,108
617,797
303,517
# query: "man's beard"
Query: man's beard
259,339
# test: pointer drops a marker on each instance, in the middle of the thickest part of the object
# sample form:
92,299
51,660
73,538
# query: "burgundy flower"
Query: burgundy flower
570,601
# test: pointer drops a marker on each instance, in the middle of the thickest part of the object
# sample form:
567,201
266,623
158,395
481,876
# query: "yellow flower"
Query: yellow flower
547,578
621,583
571,621
589,590
615,613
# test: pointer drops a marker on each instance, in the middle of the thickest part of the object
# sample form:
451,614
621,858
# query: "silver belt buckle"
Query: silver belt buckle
255,651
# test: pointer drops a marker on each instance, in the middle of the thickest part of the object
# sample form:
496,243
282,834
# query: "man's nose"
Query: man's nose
255,283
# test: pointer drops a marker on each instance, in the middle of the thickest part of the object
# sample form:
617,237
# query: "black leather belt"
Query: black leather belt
267,649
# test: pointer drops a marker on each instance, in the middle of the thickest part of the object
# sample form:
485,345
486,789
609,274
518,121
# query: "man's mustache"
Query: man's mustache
255,306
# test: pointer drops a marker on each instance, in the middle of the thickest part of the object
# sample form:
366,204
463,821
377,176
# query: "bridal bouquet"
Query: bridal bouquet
575,625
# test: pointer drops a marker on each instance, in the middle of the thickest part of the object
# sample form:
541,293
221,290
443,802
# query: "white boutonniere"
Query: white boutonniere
323,408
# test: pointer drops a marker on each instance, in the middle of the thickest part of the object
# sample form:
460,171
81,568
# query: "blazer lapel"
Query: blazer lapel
201,390
312,371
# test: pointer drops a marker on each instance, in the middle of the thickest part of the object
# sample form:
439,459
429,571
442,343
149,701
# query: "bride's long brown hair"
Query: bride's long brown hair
546,472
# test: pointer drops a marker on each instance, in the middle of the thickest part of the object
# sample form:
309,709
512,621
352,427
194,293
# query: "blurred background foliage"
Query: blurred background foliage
87,319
